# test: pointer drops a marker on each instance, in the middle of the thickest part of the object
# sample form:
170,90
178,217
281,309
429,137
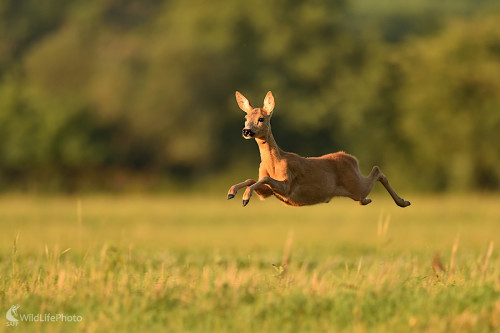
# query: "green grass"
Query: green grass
176,264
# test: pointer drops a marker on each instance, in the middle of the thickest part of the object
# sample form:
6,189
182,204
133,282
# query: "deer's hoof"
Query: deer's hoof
365,201
245,202
404,204
230,196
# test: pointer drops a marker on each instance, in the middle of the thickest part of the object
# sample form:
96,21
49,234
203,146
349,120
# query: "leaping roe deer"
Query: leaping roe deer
300,181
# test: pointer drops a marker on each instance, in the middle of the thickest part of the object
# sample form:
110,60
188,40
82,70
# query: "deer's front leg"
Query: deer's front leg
234,189
276,185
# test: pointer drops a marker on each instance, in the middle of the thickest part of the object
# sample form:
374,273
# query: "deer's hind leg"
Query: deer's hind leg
368,183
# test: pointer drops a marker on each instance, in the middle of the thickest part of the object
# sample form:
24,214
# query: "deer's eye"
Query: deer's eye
261,120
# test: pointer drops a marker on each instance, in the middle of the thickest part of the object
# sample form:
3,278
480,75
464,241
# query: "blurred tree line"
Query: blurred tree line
105,94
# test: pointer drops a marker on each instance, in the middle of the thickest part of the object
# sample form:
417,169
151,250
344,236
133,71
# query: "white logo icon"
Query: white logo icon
13,318
12,315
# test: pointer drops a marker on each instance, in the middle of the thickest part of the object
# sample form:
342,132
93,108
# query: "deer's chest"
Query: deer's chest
277,170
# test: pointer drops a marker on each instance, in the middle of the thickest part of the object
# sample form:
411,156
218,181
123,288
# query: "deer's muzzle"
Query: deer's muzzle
248,133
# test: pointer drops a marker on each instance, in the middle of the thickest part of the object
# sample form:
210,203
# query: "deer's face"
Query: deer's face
256,124
257,120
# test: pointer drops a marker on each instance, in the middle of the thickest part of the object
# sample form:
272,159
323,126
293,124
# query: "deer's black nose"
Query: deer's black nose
247,132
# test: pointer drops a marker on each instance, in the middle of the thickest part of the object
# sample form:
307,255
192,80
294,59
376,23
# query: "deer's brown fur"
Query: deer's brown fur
297,180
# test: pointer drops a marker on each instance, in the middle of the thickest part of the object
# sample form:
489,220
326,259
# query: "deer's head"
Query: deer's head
257,120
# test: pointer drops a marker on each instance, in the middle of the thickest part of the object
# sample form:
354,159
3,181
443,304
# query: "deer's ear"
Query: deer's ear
269,103
243,103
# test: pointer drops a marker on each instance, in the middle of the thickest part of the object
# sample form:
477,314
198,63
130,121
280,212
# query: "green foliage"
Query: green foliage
100,88
451,109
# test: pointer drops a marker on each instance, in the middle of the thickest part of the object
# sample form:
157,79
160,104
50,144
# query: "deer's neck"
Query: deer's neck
270,153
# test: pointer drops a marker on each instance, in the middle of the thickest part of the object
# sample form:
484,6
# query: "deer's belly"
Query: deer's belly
305,196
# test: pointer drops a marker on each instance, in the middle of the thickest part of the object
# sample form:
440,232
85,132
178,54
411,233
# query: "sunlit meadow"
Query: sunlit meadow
176,264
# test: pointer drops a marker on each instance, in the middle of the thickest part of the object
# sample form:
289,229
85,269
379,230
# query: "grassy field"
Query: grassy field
176,264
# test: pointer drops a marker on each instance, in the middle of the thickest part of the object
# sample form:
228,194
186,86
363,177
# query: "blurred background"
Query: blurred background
118,95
